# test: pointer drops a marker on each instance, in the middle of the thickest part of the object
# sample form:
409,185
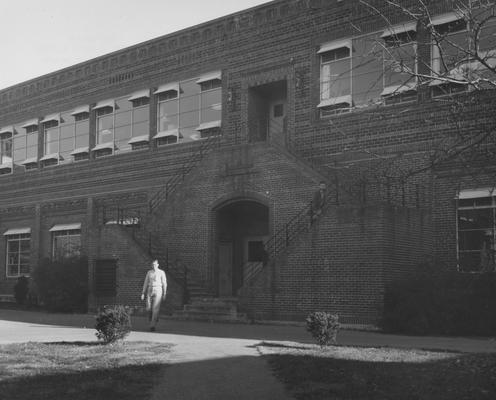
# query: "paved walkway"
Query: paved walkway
213,361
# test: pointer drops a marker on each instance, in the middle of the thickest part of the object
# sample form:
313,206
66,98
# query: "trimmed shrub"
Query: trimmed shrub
21,290
448,303
62,285
113,324
323,327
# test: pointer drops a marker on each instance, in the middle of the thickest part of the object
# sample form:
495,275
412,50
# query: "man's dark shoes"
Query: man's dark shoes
152,329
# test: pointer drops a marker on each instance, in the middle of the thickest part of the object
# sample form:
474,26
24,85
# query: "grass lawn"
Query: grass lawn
340,372
82,370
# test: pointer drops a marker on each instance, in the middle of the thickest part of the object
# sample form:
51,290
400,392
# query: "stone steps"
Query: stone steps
213,310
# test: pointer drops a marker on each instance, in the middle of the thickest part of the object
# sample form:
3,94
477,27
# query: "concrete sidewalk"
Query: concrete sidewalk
213,361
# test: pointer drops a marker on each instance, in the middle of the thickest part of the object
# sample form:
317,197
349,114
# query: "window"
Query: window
449,53
335,77
189,110
66,241
18,251
120,122
6,150
476,220
400,63
25,144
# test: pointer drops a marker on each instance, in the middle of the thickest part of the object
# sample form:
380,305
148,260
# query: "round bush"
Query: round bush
113,324
323,326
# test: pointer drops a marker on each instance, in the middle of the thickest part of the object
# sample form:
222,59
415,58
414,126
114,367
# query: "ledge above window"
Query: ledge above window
163,134
139,139
211,76
209,125
17,231
167,88
53,156
50,118
475,193
7,131
105,104
81,110
80,150
139,94
31,122
103,146
446,18
31,160
400,28
65,227
337,44
397,89
335,101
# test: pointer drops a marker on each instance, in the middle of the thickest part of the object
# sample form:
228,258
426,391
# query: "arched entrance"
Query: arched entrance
242,226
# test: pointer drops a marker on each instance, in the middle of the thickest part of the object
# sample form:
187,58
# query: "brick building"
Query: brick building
203,148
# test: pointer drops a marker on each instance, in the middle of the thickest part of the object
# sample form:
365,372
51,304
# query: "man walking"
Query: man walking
154,290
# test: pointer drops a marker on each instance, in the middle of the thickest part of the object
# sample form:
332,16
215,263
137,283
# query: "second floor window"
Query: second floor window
335,76
6,146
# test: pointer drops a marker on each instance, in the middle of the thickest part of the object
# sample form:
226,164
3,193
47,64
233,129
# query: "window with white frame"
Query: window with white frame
400,63
65,135
335,77
449,52
189,110
25,144
476,227
66,241
121,123
6,150
18,252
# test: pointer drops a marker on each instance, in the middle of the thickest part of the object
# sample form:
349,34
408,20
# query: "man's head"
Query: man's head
322,185
155,264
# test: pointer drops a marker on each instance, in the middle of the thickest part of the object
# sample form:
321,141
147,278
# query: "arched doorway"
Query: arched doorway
242,226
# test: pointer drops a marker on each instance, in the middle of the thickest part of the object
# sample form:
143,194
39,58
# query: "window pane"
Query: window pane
336,79
123,118
66,131
189,120
367,71
123,132
399,64
471,240
105,129
51,140
82,128
475,219
141,114
141,128
168,118
211,103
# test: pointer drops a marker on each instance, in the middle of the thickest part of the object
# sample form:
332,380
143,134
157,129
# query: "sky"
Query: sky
39,37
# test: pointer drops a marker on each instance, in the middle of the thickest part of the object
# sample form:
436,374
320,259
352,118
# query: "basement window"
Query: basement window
476,230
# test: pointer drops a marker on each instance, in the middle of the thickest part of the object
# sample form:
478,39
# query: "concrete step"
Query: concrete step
210,316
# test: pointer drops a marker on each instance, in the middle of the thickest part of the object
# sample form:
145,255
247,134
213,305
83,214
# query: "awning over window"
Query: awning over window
476,193
31,160
31,122
210,77
139,139
104,103
167,87
209,125
172,132
53,156
140,94
400,28
396,89
80,150
335,100
17,231
6,166
80,110
446,18
66,227
52,117
8,129
102,146
337,44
